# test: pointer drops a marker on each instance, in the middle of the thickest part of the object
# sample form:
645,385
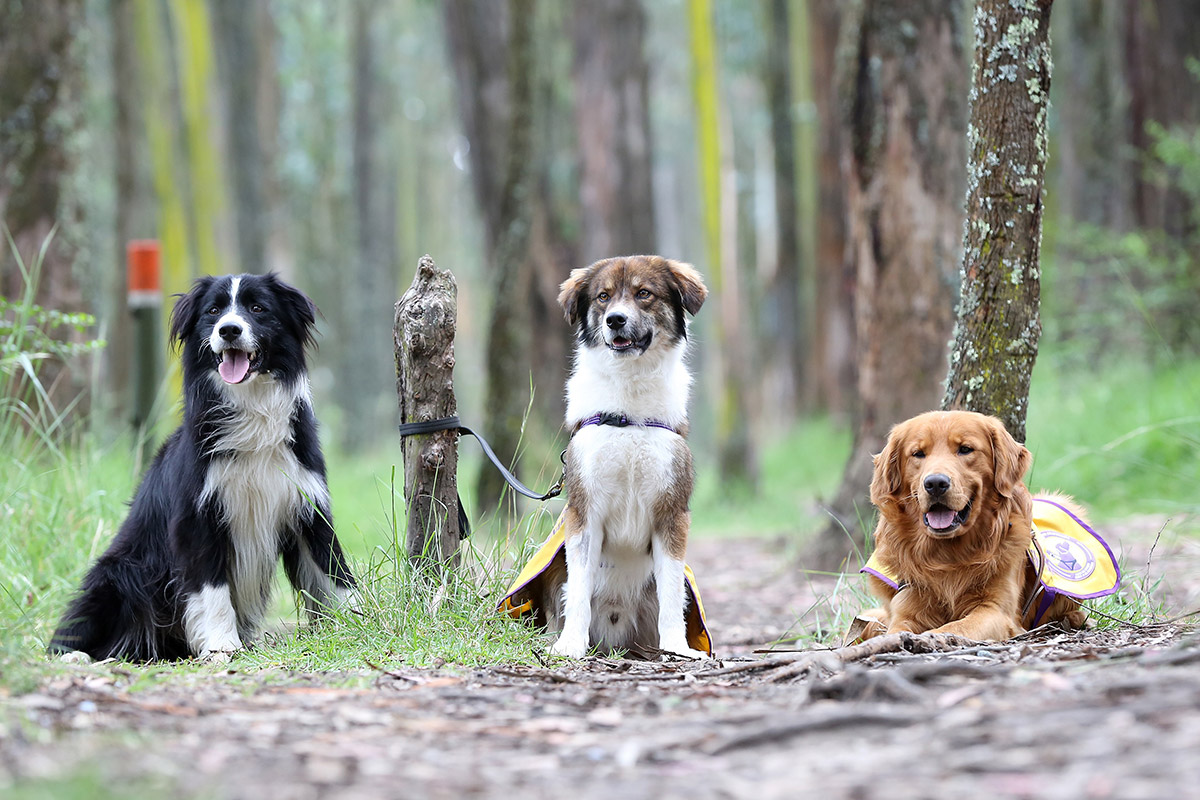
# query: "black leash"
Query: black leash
453,424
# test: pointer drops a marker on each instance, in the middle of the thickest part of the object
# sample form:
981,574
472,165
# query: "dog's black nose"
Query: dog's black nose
616,320
937,484
229,332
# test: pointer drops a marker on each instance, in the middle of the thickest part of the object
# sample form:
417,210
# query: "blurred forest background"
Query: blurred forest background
336,141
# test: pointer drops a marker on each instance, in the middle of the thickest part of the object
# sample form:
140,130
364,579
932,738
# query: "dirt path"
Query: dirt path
1094,714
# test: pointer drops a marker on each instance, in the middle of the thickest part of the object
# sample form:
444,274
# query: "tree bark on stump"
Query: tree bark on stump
425,323
998,329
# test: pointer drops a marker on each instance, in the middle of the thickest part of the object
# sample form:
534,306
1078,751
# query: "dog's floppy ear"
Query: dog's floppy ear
1010,460
692,290
187,309
299,310
572,295
887,481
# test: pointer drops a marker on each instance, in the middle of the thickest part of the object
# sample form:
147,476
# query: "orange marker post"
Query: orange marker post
144,275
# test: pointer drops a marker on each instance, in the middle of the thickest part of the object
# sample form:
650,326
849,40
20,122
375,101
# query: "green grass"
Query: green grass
90,783
1124,444
63,506
1124,441
799,467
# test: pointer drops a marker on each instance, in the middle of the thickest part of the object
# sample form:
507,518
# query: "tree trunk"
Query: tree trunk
734,451
367,296
423,335
1095,173
906,91
40,70
529,256
39,114
785,323
189,32
134,213
236,24
996,337
1160,36
832,352
477,38
168,163
505,394
612,123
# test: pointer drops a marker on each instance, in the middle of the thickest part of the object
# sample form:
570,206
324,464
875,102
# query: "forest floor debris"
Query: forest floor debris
1051,714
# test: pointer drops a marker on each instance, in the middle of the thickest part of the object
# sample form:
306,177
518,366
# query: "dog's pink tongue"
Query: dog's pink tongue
234,366
939,520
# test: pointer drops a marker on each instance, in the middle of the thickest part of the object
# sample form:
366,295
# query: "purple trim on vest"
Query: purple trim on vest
882,577
1104,544
622,421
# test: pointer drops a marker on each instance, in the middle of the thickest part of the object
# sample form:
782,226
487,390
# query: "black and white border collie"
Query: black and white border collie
629,470
239,484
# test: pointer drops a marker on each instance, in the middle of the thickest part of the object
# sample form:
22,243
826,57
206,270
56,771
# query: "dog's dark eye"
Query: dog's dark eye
644,294
965,449
215,310
256,309
602,297
918,454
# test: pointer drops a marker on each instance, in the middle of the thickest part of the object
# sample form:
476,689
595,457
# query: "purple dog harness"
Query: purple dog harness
622,421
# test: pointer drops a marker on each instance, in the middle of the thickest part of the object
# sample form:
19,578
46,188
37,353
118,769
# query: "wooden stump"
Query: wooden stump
425,321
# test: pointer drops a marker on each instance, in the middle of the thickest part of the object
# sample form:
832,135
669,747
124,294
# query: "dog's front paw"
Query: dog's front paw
349,600
75,657
219,650
570,646
216,656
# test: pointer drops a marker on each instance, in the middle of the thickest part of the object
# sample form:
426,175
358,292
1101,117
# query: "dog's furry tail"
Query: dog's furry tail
114,616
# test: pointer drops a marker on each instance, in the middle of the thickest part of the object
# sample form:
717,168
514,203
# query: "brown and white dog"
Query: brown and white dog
628,466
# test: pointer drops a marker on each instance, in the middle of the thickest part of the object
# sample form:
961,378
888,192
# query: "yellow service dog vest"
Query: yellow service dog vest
526,590
1069,556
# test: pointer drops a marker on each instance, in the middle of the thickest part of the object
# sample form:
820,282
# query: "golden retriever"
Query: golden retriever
954,527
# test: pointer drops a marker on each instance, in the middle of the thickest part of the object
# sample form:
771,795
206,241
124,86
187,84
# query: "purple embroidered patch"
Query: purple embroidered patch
1067,557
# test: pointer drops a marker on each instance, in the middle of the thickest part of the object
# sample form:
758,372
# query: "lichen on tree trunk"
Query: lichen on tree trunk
998,328
426,318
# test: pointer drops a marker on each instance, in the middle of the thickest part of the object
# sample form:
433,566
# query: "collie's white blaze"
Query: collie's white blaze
246,341
262,489
210,623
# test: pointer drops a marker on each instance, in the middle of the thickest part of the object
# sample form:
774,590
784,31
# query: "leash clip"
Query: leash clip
557,488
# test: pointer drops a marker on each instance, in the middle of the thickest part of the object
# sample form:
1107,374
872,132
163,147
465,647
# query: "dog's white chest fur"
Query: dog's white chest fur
261,488
625,475
624,471
654,386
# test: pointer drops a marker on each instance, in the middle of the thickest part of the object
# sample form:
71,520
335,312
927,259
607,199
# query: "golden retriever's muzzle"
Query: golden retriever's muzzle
945,510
